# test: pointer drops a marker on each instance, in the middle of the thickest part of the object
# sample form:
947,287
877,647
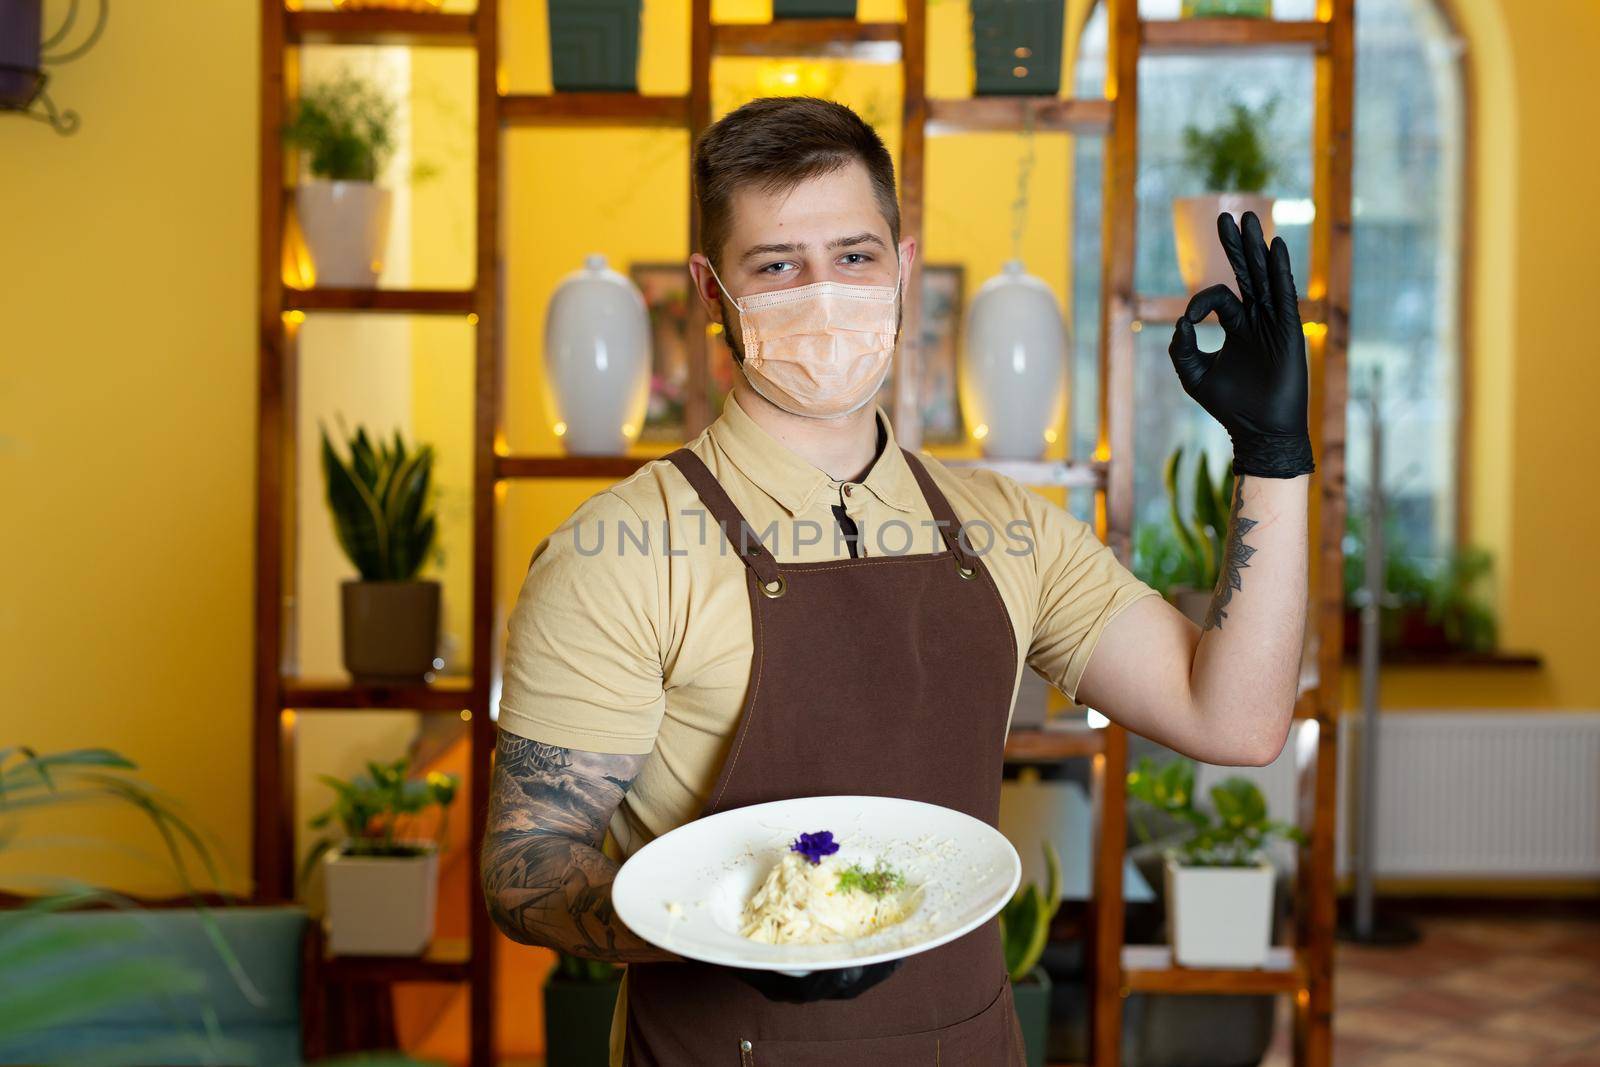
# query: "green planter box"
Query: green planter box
813,9
1032,996
1205,9
594,45
577,1022
1016,47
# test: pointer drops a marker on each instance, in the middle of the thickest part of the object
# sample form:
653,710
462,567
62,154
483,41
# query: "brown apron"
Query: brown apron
884,675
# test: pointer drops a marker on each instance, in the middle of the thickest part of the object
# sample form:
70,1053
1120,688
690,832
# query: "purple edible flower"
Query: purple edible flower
815,846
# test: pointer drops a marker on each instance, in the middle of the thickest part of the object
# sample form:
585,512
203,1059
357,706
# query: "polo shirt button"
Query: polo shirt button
849,489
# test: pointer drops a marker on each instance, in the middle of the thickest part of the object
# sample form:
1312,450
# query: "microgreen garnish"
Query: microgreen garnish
815,846
878,881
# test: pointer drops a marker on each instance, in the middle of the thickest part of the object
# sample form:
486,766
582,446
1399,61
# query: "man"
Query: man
793,606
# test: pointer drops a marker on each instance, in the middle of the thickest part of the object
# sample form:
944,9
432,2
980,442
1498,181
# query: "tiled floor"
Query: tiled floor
1504,991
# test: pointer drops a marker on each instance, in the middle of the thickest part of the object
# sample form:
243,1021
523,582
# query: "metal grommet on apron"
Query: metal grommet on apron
884,675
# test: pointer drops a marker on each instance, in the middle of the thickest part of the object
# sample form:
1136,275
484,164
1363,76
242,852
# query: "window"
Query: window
1405,304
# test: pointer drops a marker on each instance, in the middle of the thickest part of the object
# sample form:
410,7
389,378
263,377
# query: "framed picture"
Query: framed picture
667,290
943,295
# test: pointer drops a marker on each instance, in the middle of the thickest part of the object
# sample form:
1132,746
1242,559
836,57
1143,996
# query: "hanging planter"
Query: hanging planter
597,359
813,9
1016,47
1208,9
594,45
1013,365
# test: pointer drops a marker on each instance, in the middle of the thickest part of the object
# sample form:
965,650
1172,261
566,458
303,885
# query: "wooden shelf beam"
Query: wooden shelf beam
399,301
1051,114
1199,35
448,694
609,467
1167,309
1052,744
809,37
413,28
1149,969
593,109
447,960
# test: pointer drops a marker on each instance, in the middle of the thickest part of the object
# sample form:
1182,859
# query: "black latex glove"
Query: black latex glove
838,984
1256,385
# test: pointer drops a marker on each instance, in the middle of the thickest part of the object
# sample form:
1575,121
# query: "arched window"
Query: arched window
1407,268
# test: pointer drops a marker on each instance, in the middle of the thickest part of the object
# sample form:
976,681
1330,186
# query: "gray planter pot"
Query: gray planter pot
1194,603
1032,998
594,45
813,9
577,1022
1016,47
391,630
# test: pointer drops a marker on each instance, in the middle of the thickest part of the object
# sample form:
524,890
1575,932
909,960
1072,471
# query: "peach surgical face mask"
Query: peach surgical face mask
819,350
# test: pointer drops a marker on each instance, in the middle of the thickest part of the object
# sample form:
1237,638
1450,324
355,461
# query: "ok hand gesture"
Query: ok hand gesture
1256,386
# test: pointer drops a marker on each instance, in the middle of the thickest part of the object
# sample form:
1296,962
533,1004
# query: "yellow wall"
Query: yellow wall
127,363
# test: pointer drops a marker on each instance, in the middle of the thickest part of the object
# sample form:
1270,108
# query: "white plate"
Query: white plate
685,890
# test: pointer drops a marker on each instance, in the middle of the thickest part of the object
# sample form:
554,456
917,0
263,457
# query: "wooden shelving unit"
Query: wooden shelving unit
1115,970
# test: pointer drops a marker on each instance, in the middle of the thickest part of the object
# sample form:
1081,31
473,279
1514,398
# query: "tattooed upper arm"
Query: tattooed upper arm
544,877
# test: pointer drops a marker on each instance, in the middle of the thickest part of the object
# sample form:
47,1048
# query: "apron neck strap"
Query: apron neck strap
740,534
943,513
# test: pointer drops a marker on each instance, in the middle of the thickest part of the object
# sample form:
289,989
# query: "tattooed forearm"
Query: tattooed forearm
545,880
1235,559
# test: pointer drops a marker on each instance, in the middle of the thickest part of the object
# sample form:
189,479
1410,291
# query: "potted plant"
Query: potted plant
1024,931
1016,47
1234,163
383,519
1219,881
345,125
381,886
1430,605
1205,9
594,45
579,997
1201,537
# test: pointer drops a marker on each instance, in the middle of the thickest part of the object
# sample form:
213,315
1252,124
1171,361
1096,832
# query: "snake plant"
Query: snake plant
1201,535
380,505
1025,920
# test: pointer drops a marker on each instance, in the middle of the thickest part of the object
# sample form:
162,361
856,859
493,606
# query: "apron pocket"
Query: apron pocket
990,1038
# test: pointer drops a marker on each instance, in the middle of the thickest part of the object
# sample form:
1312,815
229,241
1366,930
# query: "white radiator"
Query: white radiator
1489,794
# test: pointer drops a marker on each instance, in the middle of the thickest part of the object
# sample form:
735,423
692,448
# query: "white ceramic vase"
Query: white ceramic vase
346,227
381,905
1201,260
1219,916
597,358
1013,364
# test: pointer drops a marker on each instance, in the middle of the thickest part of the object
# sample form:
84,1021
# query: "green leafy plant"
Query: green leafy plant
371,809
1201,535
382,514
1231,834
53,975
1025,920
579,969
1450,591
345,124
1158,558
1232,155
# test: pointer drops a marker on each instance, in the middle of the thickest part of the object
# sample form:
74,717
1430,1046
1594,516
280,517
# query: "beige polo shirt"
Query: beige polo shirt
631,632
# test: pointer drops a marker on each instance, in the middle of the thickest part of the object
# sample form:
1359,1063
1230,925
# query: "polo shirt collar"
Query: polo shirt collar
792,481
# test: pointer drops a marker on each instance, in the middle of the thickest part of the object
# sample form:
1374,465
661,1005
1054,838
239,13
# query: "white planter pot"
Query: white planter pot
1013,364
1219,916
1201,260
597,358
346,226
381,905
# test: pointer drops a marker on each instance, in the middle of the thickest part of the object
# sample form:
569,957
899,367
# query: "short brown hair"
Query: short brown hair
777,142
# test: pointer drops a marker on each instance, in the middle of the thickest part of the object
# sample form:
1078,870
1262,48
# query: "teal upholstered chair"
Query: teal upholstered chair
214,1023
